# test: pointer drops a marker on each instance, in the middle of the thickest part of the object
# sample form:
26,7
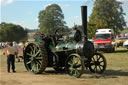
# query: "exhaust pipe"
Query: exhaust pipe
88,48
84,21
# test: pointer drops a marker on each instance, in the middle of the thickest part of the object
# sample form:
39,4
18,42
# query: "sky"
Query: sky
25,12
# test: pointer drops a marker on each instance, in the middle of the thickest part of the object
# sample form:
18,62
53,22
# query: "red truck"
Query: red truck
104,40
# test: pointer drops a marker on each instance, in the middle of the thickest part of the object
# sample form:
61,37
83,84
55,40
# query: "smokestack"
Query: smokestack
84,21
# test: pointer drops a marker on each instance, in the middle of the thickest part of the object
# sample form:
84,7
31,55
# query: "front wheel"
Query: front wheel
74,65
97,63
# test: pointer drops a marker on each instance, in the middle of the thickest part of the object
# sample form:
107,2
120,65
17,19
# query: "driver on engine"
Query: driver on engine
77,35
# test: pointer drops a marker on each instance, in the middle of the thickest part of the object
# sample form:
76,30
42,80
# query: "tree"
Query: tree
107,14
51,19
11,32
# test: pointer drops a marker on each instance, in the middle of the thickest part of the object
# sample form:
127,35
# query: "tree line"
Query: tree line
105,14
11,32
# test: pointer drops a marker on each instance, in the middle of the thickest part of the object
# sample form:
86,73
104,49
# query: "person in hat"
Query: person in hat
77,35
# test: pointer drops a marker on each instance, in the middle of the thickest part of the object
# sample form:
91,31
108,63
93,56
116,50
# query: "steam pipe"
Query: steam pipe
84,21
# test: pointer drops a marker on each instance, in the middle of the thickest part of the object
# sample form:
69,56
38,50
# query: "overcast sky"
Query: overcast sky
25,12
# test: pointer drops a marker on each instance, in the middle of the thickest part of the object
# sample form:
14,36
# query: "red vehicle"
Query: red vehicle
104,40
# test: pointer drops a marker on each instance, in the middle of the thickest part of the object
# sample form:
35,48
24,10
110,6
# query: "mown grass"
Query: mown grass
118,59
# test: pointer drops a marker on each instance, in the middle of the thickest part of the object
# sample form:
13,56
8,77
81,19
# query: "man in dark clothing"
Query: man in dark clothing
10,61
11,52
77,35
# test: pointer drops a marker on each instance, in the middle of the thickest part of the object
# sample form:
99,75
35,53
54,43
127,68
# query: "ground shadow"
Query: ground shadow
53,72
107,74
116,73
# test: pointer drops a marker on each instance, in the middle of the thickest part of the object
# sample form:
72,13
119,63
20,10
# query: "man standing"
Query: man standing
11,52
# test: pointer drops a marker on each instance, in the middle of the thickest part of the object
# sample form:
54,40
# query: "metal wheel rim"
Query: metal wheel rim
74,66
98,63
33,59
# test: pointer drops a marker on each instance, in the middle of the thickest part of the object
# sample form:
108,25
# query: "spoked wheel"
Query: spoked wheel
74,65
97,63
35,58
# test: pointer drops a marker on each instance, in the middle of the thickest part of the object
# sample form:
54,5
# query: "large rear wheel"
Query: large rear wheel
35,57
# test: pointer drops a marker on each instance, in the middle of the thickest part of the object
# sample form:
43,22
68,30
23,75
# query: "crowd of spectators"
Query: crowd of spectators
19,48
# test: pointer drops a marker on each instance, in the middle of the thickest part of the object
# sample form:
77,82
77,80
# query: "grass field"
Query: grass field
115,74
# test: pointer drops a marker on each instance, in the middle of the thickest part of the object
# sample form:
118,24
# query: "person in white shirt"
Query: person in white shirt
11,52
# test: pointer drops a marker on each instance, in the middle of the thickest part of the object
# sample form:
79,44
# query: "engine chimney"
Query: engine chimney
84,21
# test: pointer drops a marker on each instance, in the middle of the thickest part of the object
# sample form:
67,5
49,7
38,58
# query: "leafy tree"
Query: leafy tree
11,32
107,14
51,19
79,27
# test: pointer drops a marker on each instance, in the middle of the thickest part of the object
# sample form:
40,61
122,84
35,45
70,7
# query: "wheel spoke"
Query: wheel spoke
101,61
71,68
29,54
100,68
76,72
39,55
69,63
93,59
38,62
101,65
77,61
92,63
78,65
39,58
29,62
37,52
33,67
72,60
37,67
98,58
71,71
35,49
95,68
34,52
31,48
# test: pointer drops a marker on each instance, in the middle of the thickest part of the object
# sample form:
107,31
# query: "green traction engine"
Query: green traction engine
64,54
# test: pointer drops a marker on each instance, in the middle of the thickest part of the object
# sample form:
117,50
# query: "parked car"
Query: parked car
125,44
120,41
